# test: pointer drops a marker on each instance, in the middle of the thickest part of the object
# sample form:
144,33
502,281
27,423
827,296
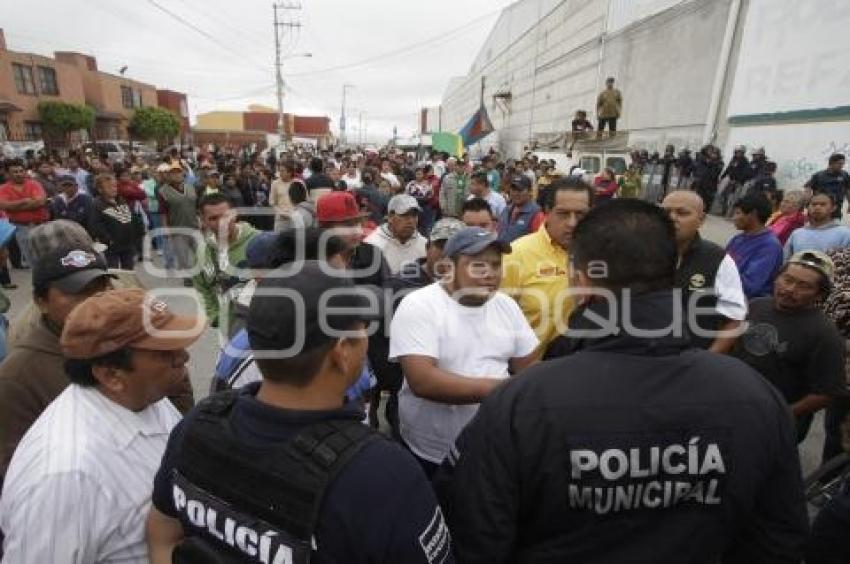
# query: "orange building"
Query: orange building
27,79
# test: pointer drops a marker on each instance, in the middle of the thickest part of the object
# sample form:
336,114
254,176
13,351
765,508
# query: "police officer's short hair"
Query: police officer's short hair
633,244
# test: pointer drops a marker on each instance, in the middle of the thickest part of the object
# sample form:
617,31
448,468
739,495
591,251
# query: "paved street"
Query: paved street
205,351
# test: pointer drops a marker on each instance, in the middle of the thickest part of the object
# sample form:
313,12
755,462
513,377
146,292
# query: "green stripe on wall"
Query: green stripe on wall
821,114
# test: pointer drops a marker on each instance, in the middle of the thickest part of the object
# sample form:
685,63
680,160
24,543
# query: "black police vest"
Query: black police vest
696,275
240,503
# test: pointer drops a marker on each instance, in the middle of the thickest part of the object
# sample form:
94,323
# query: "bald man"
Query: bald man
715,305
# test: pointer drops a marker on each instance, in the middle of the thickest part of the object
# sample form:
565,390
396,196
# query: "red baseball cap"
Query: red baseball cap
337,206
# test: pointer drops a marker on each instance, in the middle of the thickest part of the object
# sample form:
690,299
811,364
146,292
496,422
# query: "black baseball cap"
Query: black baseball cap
521,181
293,313
69,269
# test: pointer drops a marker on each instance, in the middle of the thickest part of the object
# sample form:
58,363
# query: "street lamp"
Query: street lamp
279,68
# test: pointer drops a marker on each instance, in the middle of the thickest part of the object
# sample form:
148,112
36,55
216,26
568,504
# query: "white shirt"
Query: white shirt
497,202
78,489
391,178
353,182
396,253
469,341
731,301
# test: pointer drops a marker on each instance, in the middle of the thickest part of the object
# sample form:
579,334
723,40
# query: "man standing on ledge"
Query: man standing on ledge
609,104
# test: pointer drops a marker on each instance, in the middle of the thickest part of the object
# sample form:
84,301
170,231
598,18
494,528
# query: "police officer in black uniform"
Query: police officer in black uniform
635,448
283,471
712,294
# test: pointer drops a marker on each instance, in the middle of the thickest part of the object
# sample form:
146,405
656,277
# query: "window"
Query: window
47,81
617,164
590,164
4,130
23,79
131,98
32,130
127,96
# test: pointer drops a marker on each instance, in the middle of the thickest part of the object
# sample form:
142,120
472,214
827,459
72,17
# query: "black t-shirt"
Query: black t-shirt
800,352
380,508
319,180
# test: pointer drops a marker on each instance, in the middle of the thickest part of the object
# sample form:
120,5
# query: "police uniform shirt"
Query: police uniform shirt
634,449
79,485
380,508
710,277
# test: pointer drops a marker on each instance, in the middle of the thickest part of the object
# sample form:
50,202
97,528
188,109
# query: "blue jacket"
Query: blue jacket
758,258
79,209
236,368
509,231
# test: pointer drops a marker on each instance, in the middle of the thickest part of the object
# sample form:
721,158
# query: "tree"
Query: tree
58,119
156,124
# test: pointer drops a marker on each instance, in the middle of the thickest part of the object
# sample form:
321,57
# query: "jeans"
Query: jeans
4,324
182,248
22,236
125,260
430,468
833,417
829,542
612,124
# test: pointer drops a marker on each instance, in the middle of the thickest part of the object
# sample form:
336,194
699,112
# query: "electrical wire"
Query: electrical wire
399,51
226,22
201,32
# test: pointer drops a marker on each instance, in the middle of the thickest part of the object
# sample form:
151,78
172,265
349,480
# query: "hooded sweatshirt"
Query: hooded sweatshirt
216,275
31,377
396,253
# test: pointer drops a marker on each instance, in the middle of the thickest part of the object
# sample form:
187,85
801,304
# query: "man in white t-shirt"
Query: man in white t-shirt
479,188
456,340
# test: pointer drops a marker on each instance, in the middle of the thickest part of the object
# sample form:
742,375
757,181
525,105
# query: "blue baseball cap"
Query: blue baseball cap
471,241
260,248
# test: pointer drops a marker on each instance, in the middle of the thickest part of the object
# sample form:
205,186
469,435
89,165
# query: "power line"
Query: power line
201,32
224,22
398,51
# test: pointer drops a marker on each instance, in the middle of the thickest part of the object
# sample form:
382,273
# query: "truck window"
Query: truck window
617,164
590,164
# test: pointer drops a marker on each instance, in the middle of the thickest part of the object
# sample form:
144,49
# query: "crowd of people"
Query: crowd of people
567,369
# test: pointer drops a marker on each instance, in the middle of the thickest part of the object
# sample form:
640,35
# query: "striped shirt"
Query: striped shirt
79,486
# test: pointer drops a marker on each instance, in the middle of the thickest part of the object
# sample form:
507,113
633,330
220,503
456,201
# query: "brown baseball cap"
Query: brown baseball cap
129,317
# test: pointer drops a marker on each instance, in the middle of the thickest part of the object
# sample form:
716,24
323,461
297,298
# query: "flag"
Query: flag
477,128
450,143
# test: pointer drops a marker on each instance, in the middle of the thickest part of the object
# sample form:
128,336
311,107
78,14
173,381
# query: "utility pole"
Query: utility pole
278,25
360,128
342,139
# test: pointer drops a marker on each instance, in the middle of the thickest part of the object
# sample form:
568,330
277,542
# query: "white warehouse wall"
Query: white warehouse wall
664,54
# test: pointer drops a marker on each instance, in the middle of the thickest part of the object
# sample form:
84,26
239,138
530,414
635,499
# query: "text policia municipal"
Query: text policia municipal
649,477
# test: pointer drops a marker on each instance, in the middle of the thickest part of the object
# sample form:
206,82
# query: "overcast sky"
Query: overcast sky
409,50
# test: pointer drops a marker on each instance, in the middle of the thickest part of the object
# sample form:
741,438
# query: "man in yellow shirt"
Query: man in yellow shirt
536,273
